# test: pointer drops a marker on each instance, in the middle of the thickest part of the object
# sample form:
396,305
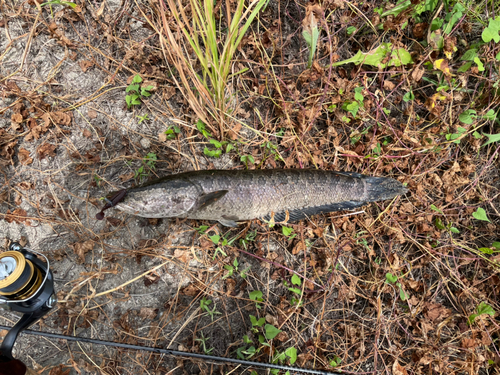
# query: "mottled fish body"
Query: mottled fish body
232,196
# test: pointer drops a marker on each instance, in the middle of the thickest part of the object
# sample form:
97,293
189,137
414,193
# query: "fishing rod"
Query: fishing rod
27,286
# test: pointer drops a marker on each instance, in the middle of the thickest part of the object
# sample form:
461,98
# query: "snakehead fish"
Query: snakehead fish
232,196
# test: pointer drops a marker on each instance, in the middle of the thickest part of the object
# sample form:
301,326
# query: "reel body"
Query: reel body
26,286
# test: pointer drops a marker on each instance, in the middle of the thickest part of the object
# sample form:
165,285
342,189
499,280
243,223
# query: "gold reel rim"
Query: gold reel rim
20,265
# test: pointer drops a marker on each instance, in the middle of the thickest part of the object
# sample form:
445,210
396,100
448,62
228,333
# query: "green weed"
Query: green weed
136,92
482,309
148,164
392,279
203,341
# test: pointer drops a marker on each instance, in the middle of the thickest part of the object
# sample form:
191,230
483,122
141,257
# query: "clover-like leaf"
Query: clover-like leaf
480,214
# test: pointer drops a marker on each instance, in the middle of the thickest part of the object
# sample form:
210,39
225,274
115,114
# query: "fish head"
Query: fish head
155,203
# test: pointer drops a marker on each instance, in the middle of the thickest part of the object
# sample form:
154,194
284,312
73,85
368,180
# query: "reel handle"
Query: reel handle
34,304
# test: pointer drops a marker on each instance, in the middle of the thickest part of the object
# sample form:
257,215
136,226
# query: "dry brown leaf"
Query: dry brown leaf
7,151
58,34
183,255
3,196
148,313
24,157
417,74
113,221
92,114
388,85
234,131
81,248
468,343
420,29
126,177
85,65
58,118
45,150
397,369
436,312
313,14
17,216
17,117
230,285
59,370
190,290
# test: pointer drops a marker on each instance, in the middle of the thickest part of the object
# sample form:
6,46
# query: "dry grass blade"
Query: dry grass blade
205,88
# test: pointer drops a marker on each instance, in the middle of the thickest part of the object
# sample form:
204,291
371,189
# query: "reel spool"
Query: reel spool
26,286
19,279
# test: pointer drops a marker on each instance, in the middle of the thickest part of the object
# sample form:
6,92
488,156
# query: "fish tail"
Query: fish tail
382,188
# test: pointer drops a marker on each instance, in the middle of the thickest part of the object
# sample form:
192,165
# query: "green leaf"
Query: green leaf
287,231
58,2
255,322
496,245
402,293
358,94
352,107
215,142
390,278
479,63
498,56
296,280
376,56
468,116
434,208
454,230
229,147
215,238
215,153
486,250
201,229
402,6
436,24
137,79
311,36
247,159
408,96
132,88
469,55
480,214
295,290
464,67
271,331
492,31
490,115
200,125
350,30
256,295
292,353
491,138
454,16
482,309
439,224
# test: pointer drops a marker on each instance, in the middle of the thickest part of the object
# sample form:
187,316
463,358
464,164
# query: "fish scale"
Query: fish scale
232,196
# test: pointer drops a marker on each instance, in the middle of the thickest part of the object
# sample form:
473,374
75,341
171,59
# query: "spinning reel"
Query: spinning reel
26,286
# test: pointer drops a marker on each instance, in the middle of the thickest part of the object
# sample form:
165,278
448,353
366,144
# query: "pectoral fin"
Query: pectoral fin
207,199
228,221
